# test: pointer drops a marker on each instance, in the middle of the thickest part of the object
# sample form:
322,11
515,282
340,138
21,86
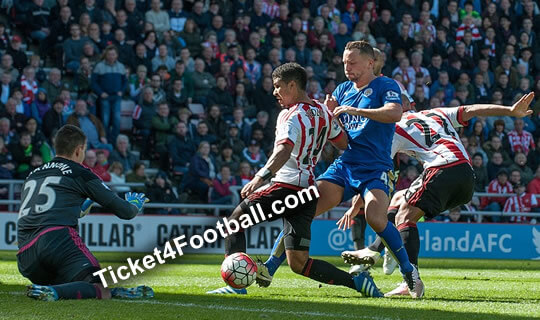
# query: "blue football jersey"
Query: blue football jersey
370,142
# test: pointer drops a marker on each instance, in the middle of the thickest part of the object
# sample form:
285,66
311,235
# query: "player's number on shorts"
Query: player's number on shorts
318,145
44,189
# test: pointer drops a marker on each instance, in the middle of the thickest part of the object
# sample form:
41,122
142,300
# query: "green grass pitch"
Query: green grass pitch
455,289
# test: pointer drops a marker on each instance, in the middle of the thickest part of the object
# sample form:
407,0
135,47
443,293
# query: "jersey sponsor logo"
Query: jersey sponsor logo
353,122
368,92
312,113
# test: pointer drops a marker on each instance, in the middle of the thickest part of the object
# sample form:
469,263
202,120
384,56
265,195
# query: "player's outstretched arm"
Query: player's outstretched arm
280,155
520,109
100,193
389,113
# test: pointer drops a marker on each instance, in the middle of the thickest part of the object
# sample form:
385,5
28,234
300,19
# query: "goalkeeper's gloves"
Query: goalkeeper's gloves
136,199
86,207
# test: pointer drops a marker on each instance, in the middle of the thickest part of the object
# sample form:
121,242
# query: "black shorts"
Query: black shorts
296,221
440,189
57,255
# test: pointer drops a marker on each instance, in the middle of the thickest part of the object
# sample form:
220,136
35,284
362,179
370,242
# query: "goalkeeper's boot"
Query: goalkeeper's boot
227,290
364,284
357,268
363,256
401,290
389,263
140,292
414,283
263,279
43,293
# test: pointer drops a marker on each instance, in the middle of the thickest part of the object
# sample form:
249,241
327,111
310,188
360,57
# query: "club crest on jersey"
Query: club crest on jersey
368,92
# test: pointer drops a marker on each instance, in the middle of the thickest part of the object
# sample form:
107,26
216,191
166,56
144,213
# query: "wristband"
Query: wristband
264,173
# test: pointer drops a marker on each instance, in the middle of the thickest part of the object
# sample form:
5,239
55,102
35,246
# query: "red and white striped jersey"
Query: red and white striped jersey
430,136
495,187
521,142
523,203
271,9
306,127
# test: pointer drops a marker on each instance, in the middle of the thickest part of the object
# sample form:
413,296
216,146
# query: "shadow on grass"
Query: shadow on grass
201,306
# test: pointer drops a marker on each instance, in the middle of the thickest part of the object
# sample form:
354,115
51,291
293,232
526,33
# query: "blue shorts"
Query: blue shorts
358,181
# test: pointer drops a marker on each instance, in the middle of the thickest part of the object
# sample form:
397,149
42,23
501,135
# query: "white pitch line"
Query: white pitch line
229,308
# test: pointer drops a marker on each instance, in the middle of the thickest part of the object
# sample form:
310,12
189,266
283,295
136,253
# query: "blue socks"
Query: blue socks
277,256
392,239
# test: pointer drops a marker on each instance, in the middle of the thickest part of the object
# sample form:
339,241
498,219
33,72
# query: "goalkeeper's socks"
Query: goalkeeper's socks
391,237
77,290
411,240
277,256
325,272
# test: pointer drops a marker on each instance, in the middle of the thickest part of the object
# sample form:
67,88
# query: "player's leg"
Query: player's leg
297,238
372,253
331,195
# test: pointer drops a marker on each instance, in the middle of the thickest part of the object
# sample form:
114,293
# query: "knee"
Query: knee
297,264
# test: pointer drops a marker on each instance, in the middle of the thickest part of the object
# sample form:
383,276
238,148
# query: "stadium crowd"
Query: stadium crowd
199,76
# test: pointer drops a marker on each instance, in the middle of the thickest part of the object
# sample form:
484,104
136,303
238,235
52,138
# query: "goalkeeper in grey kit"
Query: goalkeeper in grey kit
51,253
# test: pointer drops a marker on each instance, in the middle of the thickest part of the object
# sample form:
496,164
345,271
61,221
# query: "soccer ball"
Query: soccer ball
238,270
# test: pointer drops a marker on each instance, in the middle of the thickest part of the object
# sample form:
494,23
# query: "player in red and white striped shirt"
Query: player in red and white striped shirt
520,140
521,202
447,180
302,130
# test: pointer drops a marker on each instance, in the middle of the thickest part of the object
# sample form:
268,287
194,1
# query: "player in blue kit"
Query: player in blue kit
368,107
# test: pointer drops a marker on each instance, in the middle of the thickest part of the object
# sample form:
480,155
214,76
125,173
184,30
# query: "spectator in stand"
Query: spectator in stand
480,172
177,16
521,202
181,149
16,119
233,139
534,186
163,59
6,87
519,139
499,185
109,82
20,60
10,137
7,164
533,158
160,191
203,82
203,134
142,117
40,106
7,67
163,127
29,85
303,53
221,194
506,68
201,173
227,158
444,84
176,96
53,119
39,21
495,145
38,139
90,125
73,48
116,171
515,177
520,163
158,18
455,216
495,164
90,161
138,176
122,154
138,81
22,155
254,155
54,84
245,173
221,97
